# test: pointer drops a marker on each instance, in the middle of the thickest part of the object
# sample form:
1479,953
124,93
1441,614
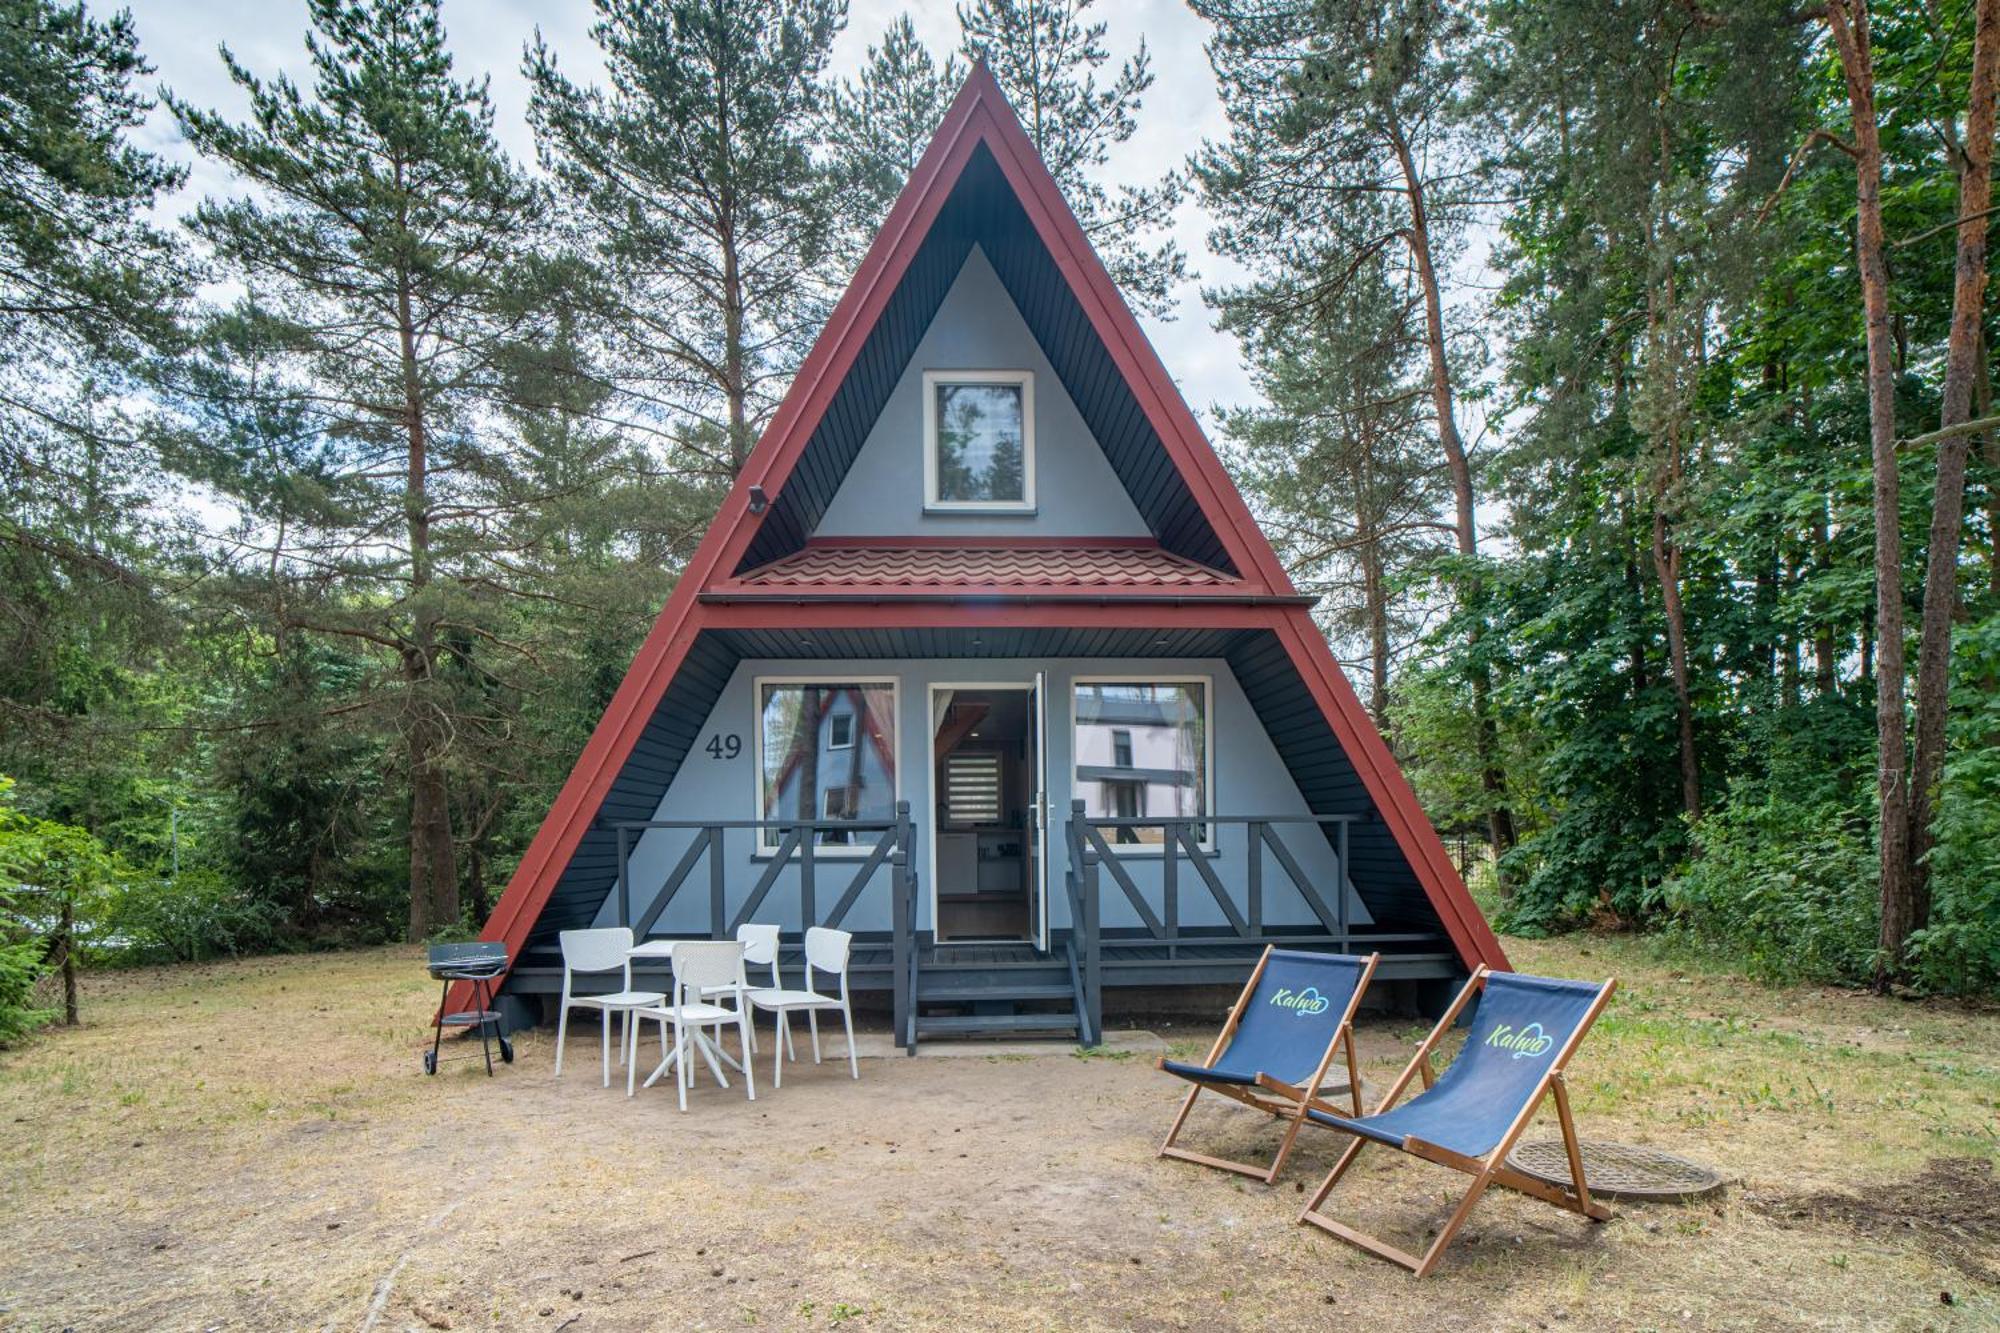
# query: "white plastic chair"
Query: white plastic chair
826,951
760,949
602,950
701,967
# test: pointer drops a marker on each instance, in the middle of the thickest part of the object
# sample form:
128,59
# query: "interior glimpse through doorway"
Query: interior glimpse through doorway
983,753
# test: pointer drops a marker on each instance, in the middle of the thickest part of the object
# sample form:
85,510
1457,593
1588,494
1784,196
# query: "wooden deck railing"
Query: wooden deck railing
1093,857
895,845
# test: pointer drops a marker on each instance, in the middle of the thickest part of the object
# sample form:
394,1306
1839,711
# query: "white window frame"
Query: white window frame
893,684
1207,684
1025,380
851,720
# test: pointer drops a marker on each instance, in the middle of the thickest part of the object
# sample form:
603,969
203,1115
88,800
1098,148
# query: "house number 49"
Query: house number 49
724,747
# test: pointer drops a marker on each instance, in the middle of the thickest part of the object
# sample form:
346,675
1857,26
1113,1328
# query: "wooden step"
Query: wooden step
948,993
1009,965
989,1024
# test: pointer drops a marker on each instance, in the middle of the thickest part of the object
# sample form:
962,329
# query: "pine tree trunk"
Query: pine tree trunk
1962,358
1375,596
1989,448
1667,566
1499,817
433,868
71,1009
1664,362
434,900
1374,589
734,364
1667,571
1847,20
1824,679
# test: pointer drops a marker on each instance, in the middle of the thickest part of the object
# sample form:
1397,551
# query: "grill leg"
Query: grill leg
481,998
437,1027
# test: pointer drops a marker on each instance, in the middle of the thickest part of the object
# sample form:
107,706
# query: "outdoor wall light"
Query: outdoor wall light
759,501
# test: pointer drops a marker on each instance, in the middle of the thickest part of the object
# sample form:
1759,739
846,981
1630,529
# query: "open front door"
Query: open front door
1038,835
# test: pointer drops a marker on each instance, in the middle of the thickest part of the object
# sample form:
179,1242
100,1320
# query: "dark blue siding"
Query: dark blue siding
1325,776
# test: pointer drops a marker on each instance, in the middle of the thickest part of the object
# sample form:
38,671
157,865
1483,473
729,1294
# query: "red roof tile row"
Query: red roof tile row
1074,568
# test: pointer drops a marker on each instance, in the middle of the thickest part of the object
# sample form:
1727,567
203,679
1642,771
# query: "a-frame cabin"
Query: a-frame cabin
985,660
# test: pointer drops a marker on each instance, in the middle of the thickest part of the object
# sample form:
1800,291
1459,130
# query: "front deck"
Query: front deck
1014,988
991,988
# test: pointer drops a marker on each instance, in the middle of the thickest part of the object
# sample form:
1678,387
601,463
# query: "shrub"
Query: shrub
20,967
191,916
54,882
1787,888
1959,950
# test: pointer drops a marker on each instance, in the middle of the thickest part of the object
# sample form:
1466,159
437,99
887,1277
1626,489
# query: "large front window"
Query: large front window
1142,753
979,440
826,750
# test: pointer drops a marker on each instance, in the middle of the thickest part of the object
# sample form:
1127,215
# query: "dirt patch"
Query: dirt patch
1952,1205
253,1146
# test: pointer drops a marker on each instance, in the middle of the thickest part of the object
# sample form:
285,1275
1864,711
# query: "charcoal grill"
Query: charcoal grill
481,964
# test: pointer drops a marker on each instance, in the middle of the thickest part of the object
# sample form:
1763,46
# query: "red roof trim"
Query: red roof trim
979,114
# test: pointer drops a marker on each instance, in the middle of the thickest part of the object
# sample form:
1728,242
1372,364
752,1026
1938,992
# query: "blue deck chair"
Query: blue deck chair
1295,1012
1468,1118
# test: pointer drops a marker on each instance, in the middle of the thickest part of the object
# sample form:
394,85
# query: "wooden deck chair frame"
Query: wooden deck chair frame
1273,1096
1490,1169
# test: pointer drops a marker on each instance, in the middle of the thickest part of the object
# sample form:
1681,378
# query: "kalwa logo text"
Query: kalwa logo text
1305,1003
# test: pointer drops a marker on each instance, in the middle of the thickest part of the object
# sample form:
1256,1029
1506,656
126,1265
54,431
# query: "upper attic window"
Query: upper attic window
979,441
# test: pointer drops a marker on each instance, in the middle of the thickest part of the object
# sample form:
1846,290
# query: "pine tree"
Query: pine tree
1336,461
1333,110
693,173
880,124
89,290
394,298
1046,57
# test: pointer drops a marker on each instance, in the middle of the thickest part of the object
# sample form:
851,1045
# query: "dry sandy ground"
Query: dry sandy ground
252,1146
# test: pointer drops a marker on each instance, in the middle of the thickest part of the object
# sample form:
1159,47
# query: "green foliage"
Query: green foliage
55,882
90,288
20,970
880,124
185,918
47,867
1786,887
1960,949
694,174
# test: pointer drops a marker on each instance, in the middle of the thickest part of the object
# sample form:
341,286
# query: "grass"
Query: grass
252,1145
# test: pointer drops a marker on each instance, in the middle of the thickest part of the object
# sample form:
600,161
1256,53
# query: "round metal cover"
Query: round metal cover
1617,1170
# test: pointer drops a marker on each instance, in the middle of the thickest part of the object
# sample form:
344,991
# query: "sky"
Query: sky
181,37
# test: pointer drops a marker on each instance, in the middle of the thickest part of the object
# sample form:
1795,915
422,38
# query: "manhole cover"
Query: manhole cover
1617,1170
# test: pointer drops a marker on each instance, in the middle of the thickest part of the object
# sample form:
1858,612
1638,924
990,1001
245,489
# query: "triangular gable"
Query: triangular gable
980,181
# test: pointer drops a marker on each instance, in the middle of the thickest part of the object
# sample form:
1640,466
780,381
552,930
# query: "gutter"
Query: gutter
887,598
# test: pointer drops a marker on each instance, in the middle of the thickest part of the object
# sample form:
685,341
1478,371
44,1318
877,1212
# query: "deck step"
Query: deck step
982,1024
949,965
930,993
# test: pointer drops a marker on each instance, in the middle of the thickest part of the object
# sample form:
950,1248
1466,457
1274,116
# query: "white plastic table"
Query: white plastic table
710,1052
